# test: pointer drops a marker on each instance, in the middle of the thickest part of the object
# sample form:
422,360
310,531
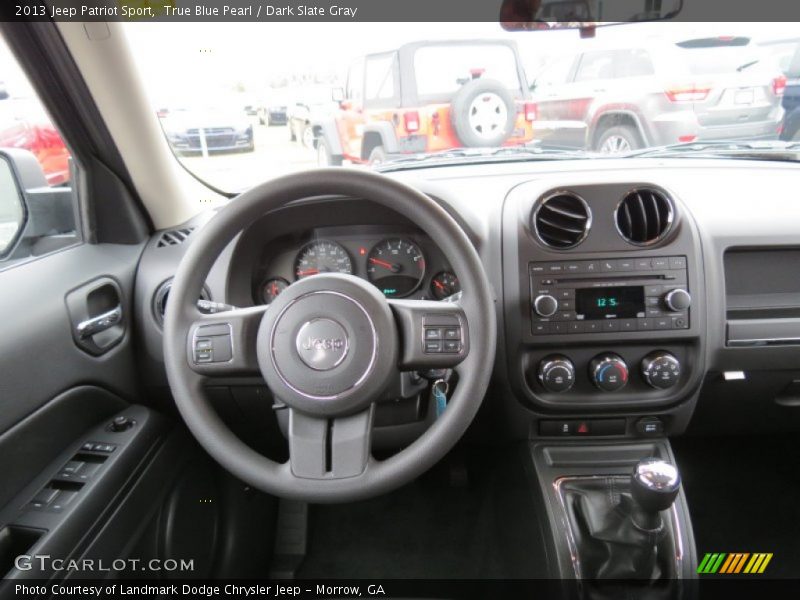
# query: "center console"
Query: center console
604,308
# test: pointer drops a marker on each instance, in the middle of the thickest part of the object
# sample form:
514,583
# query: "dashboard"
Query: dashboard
627,290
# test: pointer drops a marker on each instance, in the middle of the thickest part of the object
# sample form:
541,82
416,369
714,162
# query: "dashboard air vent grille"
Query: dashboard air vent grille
562,220
174,237
644,216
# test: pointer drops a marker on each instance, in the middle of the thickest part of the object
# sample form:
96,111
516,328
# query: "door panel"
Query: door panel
30,446
38,352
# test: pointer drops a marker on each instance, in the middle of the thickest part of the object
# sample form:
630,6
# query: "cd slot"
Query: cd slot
616,280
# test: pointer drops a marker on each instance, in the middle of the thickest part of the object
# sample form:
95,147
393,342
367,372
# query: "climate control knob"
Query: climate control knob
556,373
677,300
661,370
545,305
608,372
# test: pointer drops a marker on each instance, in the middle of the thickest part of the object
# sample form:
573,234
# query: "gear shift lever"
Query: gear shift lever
654,486
617,524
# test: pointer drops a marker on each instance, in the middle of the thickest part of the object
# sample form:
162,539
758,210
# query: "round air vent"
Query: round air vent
562,220
644,216
161,296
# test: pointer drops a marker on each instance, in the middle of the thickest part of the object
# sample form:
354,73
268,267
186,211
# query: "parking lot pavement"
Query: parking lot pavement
274,155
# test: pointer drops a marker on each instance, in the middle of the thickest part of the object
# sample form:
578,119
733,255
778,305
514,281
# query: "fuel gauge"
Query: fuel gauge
444,284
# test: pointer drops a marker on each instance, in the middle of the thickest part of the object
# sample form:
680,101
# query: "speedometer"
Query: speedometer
396,267
322,257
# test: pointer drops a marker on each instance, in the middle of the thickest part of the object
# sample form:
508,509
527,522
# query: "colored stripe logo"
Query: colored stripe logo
734,563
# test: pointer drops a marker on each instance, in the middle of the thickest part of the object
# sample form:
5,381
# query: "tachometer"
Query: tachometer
444,284
396,267
322,257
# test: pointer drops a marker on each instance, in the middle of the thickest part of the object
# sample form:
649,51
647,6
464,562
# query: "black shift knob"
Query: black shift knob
655,484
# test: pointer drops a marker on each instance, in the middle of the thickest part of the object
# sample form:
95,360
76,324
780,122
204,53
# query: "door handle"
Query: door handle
95,325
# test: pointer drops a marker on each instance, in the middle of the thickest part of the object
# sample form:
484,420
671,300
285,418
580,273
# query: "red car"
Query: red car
24,124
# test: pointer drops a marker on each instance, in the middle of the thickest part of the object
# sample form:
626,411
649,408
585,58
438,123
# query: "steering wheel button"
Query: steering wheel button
433,347
203,344
452,333
433,333
203,356
452,346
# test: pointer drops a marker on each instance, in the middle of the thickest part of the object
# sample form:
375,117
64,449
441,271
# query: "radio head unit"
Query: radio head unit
608,295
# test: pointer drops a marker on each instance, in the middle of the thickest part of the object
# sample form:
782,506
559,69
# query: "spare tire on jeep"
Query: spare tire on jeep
483,113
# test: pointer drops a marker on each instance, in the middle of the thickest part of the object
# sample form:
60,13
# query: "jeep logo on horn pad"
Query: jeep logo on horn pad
322,344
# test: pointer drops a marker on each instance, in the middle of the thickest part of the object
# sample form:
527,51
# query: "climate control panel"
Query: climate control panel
608,372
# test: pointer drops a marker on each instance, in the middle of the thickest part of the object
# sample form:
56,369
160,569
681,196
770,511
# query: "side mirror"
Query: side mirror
35,218
13,212
337,94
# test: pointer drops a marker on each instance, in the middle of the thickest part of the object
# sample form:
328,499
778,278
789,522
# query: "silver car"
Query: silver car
625,98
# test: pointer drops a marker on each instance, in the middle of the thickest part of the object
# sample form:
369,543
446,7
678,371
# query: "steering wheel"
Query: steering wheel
329,346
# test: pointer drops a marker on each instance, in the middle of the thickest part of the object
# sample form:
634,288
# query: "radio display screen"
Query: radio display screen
623,302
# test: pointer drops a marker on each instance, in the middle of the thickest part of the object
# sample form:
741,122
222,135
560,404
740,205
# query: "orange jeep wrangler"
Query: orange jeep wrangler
428,97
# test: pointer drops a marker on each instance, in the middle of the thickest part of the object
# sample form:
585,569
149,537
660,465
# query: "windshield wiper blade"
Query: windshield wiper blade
717,147
455,154
746,65
542,151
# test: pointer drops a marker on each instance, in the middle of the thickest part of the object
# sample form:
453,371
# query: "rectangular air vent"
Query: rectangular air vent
174,237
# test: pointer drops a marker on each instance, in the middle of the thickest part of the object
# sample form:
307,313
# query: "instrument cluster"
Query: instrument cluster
400,265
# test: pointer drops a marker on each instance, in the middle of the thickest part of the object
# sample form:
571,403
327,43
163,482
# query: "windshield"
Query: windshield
242,102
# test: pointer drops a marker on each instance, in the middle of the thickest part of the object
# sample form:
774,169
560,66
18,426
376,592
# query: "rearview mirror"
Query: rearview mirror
337,94
532,15
12,207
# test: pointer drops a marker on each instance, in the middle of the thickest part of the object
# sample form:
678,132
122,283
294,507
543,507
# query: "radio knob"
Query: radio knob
545,305
661,370
678,300
556,373
609,372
